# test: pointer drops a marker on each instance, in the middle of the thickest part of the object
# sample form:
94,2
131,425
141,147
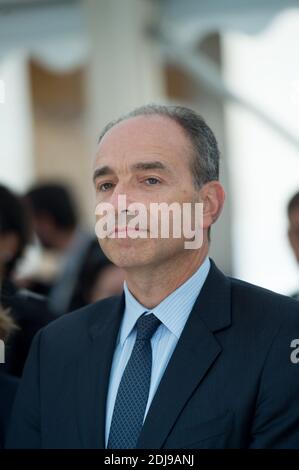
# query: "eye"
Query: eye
104,187
151,181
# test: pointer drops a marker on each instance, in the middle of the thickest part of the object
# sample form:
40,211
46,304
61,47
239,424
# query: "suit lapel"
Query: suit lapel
195,354
94,371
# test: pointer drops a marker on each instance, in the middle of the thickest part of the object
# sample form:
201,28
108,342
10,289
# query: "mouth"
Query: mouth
126,230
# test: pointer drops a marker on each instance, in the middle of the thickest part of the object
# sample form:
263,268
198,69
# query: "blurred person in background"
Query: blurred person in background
8,384
14,231
99,278
293,230
55,221
29,311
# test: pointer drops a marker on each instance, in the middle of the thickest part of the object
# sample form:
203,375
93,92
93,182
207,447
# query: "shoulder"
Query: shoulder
73,328
249,303
255,294
84,317
261,306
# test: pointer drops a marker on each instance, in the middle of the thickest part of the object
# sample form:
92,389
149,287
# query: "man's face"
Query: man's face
294,231
147,159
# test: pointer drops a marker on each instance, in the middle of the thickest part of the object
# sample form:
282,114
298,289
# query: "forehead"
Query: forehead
153,136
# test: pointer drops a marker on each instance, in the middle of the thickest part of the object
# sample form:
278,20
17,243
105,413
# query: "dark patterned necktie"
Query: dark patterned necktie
132,395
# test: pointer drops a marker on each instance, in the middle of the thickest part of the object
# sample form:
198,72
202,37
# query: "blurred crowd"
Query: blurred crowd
45,216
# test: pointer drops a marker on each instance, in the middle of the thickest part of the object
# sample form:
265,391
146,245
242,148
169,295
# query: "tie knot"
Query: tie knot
146,326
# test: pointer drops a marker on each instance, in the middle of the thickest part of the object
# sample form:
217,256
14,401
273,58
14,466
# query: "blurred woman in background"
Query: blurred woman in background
98,278
29,312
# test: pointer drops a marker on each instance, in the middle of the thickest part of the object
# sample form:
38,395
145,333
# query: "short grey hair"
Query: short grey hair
206,155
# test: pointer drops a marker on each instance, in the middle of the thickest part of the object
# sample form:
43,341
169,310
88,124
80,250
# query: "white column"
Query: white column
124,71
16,162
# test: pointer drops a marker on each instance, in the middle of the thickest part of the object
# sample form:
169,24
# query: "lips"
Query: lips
126,229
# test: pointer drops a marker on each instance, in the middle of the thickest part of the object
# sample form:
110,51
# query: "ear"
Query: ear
212,196
292,238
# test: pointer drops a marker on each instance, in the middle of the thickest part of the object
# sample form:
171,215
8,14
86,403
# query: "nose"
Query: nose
121,197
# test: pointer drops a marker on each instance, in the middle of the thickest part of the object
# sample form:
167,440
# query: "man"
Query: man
55,222
293,231
187,357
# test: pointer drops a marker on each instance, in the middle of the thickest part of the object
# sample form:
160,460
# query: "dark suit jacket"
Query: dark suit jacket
229,384
31,313
8,388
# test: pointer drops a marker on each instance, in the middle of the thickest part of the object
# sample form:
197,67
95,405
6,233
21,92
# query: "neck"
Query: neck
152,284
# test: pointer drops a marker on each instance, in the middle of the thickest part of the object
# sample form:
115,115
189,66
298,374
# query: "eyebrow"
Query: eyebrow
102,171
157,165
106,170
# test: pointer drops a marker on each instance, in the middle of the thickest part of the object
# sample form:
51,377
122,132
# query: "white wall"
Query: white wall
16,168
264,167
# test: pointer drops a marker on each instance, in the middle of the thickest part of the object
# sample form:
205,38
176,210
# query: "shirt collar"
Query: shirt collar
173,311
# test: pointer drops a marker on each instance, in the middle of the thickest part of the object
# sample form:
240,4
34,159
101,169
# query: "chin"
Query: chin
126,252
127,258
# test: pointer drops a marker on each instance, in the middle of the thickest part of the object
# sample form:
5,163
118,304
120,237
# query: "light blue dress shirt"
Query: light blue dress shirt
173,313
